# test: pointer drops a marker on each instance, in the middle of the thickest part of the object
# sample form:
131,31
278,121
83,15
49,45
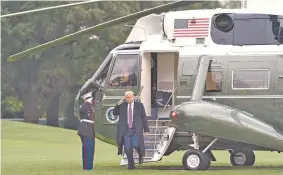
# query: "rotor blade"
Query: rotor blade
48,8
89,30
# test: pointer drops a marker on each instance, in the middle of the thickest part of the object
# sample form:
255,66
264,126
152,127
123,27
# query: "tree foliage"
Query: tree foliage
40,77
233,4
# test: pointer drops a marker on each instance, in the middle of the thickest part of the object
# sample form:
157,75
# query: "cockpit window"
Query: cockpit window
251,29
102,75
125,70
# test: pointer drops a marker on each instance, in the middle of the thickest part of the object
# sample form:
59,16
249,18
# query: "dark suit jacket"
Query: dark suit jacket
139,121
85,128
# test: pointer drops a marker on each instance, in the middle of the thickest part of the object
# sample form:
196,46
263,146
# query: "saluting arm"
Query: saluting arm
144,120
116,110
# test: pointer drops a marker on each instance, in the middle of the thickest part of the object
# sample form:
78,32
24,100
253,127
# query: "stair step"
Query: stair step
138,158
151,149
150,135
157,133
153,138
156,130
147,154
151,141
161,120
154,126
154,134
164,122
159,123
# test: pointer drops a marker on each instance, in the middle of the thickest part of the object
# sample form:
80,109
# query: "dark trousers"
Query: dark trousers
131,142
88,147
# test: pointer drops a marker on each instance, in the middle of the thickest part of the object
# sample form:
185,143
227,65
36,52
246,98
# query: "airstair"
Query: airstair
156,143
160,135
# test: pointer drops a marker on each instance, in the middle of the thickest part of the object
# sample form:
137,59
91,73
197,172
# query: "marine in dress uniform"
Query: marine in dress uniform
86,131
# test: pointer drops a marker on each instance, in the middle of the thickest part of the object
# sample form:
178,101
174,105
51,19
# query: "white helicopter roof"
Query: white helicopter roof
147,27
161,27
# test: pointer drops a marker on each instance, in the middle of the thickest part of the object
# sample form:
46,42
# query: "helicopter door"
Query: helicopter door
187,70
123,75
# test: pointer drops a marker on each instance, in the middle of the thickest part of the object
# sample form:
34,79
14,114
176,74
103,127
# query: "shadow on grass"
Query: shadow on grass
212,168
277,167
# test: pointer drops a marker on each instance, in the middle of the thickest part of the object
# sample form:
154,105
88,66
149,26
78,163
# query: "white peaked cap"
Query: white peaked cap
86,96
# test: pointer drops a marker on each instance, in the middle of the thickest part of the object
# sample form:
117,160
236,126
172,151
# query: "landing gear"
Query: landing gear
242,157
195,159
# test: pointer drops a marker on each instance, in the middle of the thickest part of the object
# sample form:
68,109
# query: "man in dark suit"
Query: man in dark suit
130,128
86,131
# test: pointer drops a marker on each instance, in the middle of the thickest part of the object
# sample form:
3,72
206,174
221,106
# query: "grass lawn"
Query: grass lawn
38,150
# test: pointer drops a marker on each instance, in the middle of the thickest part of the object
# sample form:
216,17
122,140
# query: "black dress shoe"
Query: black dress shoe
140,159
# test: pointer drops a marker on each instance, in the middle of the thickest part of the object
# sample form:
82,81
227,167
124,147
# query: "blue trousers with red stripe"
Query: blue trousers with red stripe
88,147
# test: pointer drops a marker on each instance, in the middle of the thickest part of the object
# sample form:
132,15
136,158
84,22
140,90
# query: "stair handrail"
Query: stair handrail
156,123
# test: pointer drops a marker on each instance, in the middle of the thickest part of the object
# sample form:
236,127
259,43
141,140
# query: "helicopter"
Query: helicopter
209,79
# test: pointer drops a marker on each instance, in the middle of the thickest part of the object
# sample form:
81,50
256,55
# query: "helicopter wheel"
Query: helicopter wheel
242,158
196,160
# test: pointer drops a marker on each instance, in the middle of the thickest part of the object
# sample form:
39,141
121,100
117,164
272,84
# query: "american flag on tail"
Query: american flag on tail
196,27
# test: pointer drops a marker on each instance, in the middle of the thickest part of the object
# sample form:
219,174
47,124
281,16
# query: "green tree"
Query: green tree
232,4
38,79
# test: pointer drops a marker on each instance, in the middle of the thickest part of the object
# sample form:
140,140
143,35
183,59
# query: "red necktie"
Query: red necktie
130,117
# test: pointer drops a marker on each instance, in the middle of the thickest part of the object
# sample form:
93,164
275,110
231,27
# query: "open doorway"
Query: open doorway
162,81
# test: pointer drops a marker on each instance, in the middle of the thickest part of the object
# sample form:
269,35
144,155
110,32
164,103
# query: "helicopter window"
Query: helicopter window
274,29
250,79
125,70
188,68
251,29
102,75
219,36
214,78
249,32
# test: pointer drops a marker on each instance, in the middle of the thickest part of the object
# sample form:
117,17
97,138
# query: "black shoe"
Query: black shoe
140,159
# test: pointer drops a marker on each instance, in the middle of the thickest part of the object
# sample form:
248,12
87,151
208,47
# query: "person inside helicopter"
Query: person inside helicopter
153,94
126,78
